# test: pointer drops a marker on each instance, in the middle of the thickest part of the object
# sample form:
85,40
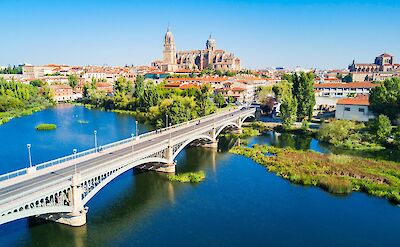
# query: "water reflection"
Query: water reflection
289,140
124,206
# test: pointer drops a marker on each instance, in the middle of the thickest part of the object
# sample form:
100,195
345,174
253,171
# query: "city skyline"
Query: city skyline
262,33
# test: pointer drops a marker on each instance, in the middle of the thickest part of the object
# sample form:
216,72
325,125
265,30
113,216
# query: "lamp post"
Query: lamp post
29,154
136,129
166,120
74,151
95,140
132,135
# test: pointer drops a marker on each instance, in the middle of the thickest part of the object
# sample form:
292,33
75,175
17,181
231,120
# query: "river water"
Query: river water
238,204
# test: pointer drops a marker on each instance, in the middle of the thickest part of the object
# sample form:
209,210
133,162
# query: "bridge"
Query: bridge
58,190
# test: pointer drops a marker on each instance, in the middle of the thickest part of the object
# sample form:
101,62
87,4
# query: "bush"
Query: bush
46,127
189,177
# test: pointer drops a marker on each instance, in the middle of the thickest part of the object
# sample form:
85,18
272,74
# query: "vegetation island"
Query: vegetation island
188,177
46,126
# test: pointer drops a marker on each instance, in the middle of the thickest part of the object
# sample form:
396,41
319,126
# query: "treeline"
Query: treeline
11,70
153,103
17,99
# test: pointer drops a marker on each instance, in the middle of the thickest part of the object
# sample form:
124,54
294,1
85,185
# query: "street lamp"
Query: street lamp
74,151
136,126
132,135
29,154
166,120
95,140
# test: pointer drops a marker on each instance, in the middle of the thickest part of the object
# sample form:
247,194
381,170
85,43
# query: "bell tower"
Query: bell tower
169,52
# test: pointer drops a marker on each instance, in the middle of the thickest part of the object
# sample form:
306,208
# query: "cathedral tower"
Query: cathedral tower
169,48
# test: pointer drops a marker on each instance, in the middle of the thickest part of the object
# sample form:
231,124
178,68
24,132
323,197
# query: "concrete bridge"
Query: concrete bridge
58,190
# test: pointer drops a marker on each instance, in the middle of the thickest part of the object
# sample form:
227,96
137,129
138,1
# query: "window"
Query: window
347,109
361,109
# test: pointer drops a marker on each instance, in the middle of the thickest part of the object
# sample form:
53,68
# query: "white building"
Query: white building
356,109
341,90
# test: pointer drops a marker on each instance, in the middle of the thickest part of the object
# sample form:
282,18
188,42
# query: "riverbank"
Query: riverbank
334,173
9,115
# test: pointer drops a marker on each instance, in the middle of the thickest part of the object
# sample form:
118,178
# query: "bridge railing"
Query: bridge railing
50,163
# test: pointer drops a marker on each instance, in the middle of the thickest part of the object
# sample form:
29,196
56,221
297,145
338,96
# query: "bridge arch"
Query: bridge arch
114,175
231,124
183,145
250,115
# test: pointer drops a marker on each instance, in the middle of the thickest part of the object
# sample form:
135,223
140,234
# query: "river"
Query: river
238,204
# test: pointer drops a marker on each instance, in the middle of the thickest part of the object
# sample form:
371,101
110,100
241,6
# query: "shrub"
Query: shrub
189,177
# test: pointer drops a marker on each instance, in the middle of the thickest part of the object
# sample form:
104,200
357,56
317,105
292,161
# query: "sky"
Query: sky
287,33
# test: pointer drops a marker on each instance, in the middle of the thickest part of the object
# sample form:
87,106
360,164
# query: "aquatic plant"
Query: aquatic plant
46,127
334,173
188,177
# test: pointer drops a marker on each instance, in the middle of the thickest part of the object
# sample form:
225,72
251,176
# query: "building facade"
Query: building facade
356,109
382,63
210,57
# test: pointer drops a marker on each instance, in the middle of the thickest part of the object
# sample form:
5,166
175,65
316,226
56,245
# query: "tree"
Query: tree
203,101
348,78
85,92
139,87
37,83
303,90
381,128
151,96
288,111
340,132
219,100
73,80
385,99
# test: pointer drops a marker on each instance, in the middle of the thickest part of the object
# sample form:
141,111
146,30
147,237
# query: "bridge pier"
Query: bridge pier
78,215
214,142
169,167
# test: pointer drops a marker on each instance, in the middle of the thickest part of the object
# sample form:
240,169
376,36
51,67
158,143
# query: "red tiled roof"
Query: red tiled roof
347,85
358,100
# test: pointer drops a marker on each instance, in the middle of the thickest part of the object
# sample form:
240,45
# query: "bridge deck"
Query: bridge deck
20,186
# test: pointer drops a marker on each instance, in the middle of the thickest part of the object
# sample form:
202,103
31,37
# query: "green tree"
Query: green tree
219,100
37,83
72,80
381,128
288,110
151,95
139,87
385,99
303,90
203,101
348,78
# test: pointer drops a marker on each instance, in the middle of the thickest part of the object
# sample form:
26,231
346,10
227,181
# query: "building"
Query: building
63,93
356,109
210,57
383,62
342,90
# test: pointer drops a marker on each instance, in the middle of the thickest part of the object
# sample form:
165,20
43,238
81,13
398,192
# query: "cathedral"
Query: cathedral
210,57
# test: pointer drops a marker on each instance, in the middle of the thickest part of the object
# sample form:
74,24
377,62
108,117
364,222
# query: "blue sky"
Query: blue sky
308,33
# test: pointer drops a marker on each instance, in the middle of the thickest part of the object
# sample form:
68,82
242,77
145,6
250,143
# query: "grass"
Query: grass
339,174
188,177
46,127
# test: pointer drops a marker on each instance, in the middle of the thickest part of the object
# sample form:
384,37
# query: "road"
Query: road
63,174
